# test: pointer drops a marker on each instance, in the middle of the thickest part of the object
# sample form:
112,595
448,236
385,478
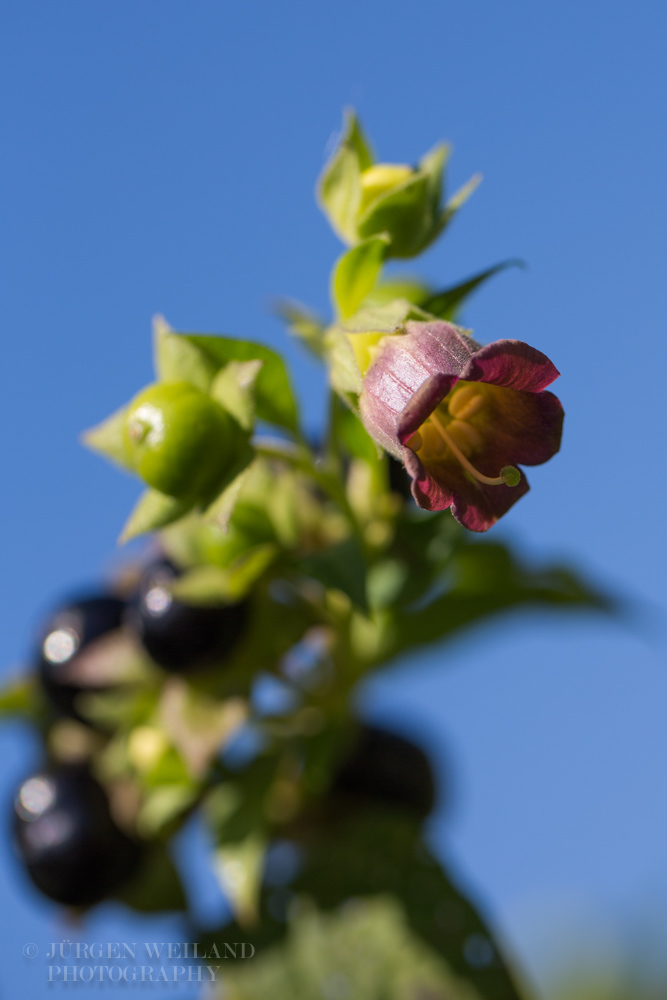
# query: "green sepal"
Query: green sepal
356,272
387,318
346,378
220,510
107,439
153,510
446,303
356,138
404,212
274,397
177,360
234,389
432,164
339,185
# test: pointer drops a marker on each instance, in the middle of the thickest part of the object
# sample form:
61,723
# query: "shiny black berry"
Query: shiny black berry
182,637
65,835
73,630
386,768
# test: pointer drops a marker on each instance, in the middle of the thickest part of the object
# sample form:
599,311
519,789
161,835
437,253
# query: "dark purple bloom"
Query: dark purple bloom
461,416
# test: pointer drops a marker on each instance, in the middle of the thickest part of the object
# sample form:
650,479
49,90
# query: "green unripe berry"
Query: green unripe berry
179,440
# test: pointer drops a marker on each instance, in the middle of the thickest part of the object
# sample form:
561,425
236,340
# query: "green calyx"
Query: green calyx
179,440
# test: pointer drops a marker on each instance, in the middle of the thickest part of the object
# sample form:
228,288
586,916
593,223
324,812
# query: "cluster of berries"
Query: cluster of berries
72,848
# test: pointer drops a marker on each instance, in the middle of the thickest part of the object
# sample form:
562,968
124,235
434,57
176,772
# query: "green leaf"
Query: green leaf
107,439
446,303
365,951
356,272
157,886
404,214
234,388
239,868
339,186
342,567
153,510
489,580
177,360
380,851
275,400
302,323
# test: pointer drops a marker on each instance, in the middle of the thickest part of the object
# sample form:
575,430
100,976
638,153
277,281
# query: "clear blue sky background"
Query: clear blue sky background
161,156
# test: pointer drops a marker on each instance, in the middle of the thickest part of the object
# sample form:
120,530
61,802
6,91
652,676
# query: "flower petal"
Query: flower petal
445,484
423,403
512,364
428,355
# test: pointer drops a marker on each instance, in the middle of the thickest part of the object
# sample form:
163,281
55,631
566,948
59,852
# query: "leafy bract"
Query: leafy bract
275,400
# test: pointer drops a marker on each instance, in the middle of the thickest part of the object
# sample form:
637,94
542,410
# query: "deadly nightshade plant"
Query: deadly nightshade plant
320,571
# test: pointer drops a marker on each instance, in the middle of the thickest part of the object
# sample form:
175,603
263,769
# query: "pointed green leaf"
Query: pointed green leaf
275,400
446,303
355,274
177,360
153,510
107,439
489,580
234,388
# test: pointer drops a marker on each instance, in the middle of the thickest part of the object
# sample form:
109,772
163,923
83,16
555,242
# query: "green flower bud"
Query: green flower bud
363,199
179,440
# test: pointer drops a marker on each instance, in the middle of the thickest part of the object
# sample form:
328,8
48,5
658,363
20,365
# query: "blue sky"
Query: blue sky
161,157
